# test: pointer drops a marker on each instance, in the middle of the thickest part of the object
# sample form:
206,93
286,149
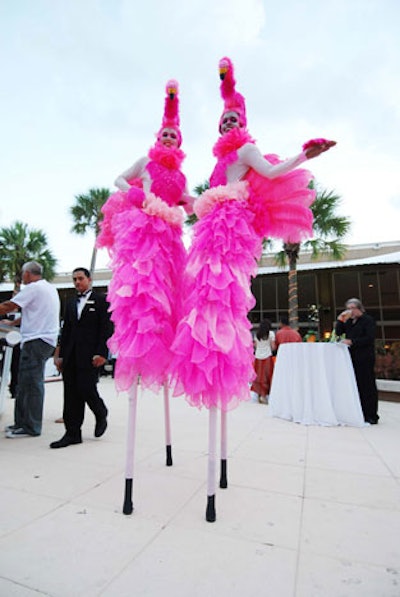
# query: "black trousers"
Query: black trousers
80,388
366,383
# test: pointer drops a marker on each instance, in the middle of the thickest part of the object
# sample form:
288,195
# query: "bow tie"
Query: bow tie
82,294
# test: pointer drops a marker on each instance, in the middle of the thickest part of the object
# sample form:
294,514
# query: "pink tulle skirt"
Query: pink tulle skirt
213,349
281,206
148,259
117,203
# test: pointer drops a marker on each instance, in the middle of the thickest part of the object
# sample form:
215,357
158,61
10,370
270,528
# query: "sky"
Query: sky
82,94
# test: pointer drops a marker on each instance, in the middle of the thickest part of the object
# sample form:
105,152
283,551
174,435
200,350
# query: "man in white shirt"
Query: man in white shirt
40,306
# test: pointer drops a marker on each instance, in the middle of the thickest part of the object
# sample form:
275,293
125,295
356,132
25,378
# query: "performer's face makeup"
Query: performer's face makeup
230,120
169,138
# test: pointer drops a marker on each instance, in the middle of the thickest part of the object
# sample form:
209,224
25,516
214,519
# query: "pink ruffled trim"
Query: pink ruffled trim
145,296
231,141
234,191
213,351
118,202
154,206
281,206
170,157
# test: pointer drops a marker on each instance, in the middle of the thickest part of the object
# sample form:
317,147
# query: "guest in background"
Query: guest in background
83,350
359,329
40,307
286,333
263,364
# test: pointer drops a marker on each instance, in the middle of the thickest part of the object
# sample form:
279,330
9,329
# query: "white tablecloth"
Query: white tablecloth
314,384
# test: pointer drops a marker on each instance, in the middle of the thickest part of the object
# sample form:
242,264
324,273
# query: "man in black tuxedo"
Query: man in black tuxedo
82,351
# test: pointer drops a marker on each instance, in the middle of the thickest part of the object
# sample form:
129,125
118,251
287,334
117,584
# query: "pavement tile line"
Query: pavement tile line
303,497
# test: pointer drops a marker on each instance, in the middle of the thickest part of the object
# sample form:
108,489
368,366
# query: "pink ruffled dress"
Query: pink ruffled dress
143,232
213,347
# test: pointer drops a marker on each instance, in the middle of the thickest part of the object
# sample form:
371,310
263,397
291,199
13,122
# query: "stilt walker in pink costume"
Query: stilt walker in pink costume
142,228
250,197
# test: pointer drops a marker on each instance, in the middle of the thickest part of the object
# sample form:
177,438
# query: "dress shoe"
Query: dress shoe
101,426
65,441
372,421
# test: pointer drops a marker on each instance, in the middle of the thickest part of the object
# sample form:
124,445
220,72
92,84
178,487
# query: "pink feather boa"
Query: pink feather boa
170,157
231,141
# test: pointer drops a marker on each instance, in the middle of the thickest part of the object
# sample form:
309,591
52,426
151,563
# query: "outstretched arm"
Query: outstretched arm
251,156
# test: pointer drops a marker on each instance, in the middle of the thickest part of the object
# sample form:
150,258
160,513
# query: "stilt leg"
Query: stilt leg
130,449
223,480
212,465
167,426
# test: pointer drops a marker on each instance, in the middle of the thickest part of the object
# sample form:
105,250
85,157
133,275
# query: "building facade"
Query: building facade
370,272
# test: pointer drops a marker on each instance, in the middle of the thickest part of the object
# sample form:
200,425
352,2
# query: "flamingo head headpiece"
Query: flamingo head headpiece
233,100
171,110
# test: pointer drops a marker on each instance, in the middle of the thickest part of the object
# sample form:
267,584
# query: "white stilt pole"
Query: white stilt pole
223,480
212,465
130,449
168,445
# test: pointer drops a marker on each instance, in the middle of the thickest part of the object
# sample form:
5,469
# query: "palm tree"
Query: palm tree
86,214
329,230
199,190
18,245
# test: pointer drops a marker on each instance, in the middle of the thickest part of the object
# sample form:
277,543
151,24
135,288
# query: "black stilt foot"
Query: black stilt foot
128,505
169,456
223,481
210,512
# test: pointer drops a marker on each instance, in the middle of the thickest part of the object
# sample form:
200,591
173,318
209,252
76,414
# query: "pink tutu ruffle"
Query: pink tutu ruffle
213,352
117,203
148,258
235,191
281,206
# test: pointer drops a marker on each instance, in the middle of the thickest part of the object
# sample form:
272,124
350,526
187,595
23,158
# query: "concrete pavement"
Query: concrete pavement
309,511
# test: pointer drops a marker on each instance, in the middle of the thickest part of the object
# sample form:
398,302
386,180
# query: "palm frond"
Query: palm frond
86,212
200,188
87,215
19,244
